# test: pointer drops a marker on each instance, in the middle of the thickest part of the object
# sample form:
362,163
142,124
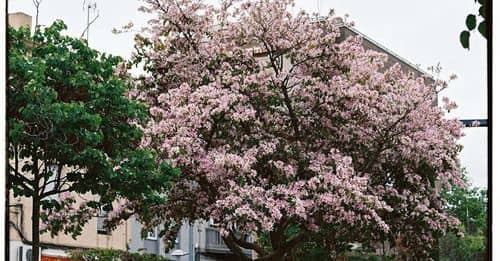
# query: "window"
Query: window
51,182
153,235
101,217
178,240
177,243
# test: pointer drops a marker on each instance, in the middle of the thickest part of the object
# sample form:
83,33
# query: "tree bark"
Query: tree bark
235,249
7,212
281,253
36,228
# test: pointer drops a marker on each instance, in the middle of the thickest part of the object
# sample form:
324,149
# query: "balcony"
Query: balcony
215,244
214,241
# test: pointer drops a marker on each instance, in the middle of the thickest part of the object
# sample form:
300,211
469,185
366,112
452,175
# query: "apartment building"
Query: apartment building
195,242
94,235
19,19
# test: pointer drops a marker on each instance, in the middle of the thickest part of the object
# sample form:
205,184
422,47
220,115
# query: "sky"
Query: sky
424,32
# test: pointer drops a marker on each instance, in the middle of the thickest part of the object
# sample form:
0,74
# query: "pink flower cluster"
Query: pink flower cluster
67,217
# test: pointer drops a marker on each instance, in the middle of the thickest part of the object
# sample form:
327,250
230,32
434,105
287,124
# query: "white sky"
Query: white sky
424,32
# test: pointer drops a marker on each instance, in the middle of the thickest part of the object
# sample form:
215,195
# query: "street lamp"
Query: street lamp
178,253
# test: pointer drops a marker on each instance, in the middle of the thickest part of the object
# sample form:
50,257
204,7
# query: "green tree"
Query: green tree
71,128
112,254
465,248
469,205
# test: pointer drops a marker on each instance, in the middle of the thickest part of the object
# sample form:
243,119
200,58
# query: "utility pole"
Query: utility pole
467,217
191,243
89,5
88,21
469,124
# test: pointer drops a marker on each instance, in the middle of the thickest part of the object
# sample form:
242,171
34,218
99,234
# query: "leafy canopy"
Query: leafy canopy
72,128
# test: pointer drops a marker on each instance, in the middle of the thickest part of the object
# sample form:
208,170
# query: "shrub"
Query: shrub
112,255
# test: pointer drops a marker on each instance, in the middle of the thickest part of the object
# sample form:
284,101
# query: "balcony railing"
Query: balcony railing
215,243
214,239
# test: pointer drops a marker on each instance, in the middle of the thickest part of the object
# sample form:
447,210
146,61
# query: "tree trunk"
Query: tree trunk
7,213
36,228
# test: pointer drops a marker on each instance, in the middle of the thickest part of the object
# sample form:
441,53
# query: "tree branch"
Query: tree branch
286,248
235,249
21,179
54,192
245,244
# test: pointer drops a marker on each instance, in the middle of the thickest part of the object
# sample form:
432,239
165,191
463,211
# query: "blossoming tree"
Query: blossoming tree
282,133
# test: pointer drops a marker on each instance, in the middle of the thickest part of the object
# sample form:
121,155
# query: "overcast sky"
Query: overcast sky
424,32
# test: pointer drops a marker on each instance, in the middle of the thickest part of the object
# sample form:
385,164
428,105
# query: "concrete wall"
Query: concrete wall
144,245
21,216
191,240
392,58
19,19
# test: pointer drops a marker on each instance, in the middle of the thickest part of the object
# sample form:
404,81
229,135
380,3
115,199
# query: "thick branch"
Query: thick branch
23,180
278,254
278,237
54,192
248,245
235,249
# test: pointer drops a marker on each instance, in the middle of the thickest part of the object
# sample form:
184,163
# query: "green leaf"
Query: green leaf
482,11
482,29
470,21
464,39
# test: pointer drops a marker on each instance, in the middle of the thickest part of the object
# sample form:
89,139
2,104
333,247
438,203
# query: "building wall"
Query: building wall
19,19
196,233
21,214
144,245
191,242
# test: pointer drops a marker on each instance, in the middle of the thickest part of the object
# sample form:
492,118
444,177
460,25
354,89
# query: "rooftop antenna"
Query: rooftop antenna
37,7
89,5
318,10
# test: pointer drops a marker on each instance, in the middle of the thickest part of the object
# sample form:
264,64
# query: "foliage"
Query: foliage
368,257
465,203
112,254
465,248
471,21
275,125
469,205
72,128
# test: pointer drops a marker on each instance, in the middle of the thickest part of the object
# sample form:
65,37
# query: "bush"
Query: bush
462,249
112,255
